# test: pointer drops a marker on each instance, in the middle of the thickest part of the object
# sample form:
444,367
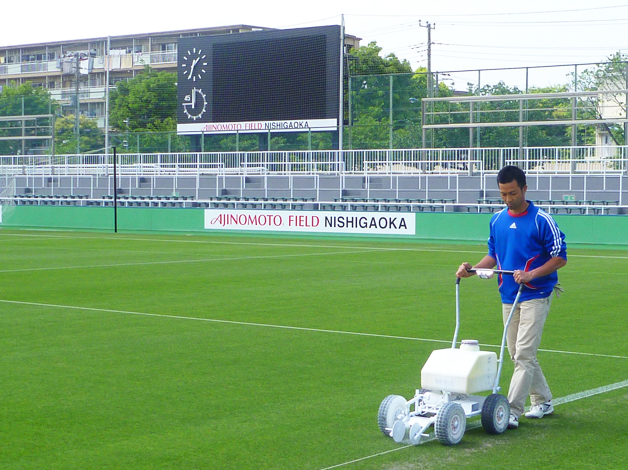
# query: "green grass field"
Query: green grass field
213,352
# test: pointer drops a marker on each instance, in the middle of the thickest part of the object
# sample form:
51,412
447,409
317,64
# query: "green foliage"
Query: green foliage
366,61
368,133
147,102
24,99
315,141
385,100
609,75
379,102
147,142
231,142
546,109
91,137
380,93
19,100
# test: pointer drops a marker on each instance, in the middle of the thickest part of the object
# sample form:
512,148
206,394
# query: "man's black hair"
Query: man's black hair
511,173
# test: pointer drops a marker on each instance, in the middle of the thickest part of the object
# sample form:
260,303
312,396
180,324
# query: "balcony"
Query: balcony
121,62
91,93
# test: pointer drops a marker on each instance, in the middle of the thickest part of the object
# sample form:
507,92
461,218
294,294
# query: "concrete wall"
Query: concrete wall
579,229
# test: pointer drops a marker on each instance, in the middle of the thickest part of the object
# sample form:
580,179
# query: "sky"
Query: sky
467,36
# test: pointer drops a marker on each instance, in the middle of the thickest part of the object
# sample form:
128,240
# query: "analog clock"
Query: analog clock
194,63
195,104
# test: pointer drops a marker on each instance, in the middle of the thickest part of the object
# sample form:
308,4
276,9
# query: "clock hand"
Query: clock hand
192,67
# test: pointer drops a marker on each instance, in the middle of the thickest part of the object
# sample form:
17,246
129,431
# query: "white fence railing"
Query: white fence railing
588,160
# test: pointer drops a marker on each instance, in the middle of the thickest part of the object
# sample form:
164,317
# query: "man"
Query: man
526,240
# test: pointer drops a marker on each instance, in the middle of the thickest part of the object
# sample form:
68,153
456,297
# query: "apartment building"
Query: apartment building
100,61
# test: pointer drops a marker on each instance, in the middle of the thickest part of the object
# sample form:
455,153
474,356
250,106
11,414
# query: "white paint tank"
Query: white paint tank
459,371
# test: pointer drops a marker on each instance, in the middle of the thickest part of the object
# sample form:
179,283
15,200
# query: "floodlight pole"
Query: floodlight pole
115,192
341,110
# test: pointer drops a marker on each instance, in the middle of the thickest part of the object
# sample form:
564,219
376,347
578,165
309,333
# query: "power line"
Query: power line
522,47
601,22
540,12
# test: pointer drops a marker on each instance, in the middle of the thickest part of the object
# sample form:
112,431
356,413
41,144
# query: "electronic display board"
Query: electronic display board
259,81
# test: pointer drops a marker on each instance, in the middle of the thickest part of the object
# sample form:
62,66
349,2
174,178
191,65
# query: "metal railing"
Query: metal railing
472,161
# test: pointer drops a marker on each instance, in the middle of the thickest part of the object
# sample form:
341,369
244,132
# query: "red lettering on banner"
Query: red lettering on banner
307,221
244,220
222,127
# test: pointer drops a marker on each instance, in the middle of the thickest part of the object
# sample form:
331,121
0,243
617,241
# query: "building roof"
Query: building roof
179,32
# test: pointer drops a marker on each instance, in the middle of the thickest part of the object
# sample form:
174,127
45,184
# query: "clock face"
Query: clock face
194,63
195,104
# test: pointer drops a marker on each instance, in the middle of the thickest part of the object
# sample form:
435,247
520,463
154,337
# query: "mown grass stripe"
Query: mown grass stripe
284,327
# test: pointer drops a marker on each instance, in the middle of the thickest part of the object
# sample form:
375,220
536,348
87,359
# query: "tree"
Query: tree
366,60
548,109
508,111
606,76
147,102
384,97
24,100
91,137
16,100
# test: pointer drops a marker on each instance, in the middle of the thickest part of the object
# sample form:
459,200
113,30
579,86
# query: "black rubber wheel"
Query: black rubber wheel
451,423
495,414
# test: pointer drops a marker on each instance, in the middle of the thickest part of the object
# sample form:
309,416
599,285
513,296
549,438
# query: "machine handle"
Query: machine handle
495,271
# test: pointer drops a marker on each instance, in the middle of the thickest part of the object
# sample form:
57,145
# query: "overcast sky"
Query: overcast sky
468,35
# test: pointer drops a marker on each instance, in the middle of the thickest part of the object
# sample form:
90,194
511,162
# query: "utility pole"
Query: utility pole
77,117
430,86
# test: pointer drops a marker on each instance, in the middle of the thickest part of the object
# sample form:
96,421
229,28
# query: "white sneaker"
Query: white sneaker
538,411
513,422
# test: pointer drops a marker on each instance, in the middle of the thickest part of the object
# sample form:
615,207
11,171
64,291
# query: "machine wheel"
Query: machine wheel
393,407
450,424
495,414
415,434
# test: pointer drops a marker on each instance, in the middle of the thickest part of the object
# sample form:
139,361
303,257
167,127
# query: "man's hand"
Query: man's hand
522,277
488,262
462,270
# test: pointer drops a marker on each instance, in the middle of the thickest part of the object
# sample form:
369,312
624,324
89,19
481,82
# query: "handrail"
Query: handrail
477,161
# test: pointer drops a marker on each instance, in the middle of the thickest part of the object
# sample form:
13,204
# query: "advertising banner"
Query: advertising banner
373,223
257,126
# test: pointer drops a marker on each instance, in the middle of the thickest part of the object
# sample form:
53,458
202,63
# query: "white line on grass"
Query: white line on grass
268,325
368,457
121,237
477,424
204,260
292,245
590,393
558,351
199,240
214,320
